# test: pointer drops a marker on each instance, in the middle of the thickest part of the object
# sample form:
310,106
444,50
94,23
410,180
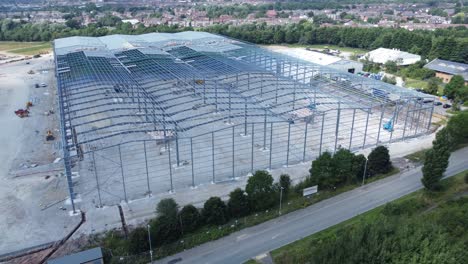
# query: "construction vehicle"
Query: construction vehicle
389,125
49,136
22,113
200,82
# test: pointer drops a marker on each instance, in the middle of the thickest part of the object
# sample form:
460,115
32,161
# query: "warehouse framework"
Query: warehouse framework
159,112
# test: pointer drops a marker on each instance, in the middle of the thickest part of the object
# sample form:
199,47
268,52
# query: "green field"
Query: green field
25,48
407,211
415,83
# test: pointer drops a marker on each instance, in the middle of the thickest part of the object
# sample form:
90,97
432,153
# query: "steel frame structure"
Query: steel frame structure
158,112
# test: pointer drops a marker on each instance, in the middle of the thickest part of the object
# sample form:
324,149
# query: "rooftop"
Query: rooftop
90,256
383,55
450,67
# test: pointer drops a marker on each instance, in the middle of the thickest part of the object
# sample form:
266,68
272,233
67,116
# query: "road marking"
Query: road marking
242,237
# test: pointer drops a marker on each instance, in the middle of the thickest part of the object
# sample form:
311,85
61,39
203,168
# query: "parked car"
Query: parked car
446,106
437,103
428,101
36,85
43,85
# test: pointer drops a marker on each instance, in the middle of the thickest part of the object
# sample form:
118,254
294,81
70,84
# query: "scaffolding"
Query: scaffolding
158,112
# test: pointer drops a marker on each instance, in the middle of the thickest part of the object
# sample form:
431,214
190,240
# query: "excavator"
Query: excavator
49,136
24,112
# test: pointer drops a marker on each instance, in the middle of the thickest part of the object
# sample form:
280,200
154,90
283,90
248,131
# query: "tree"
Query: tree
436,161
342,166
456,83
238,204
285,182
321,172
190,218
260,191
72,23
432,86
215,211
390,80
457,128
391,67
379,161
165,228
138,241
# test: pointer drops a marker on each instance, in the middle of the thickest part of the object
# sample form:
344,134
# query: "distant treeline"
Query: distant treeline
22,31
450,44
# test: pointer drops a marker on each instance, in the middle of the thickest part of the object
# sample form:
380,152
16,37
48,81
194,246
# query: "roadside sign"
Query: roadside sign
310,190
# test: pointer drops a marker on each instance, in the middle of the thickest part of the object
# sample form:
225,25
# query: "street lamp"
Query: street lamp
365,168
281,198
150,247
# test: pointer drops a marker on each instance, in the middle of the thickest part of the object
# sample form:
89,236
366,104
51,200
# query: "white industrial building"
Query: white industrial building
323,59
383,55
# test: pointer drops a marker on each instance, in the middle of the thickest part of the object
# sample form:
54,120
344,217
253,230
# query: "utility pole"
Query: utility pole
150,247
364,174
281,198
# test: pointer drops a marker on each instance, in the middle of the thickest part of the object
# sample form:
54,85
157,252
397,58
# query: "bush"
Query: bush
406,207
138,241
164,230
190,218
466,178
238,203
215,211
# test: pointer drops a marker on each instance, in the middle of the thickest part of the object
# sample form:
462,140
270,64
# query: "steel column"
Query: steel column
321,134
289,138
191,162
305,142
252,149
380,123
365,130
97,180
337,127
233,155
170,167
213,155
123,177
271,142
146,166
352,128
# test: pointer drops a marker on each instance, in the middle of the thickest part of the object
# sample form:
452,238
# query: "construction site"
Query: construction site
157,113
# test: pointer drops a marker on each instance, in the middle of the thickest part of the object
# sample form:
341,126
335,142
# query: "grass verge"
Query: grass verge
417,156
25,48
453,188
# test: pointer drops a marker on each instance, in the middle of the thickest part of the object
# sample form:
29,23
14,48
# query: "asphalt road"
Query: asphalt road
250,242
